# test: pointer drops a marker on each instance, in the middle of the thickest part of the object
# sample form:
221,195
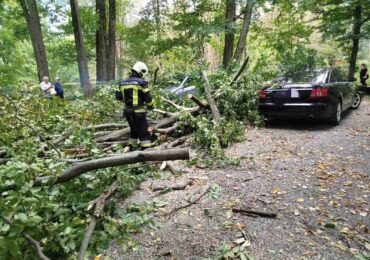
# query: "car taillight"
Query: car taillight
262,94
319,92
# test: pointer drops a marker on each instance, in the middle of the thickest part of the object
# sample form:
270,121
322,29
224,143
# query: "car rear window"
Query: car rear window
307,76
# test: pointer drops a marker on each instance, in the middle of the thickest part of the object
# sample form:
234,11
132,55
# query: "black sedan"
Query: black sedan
320,93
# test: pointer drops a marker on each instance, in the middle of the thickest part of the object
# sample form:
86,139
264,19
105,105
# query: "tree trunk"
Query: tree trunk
111,52
31,15
81,54
355,41
244,33
229,32
101,48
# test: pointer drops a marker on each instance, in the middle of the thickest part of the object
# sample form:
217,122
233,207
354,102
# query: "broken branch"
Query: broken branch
215,112
240,71
189,204
257,213
197,101
99,208
32,241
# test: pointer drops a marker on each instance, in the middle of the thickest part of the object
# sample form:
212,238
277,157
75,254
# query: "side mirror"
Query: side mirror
352,79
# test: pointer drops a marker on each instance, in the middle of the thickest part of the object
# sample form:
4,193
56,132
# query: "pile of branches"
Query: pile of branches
109,135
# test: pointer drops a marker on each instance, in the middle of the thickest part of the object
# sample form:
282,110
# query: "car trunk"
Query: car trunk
289,93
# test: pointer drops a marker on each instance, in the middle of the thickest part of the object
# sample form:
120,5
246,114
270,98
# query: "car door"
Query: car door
349,89
337,81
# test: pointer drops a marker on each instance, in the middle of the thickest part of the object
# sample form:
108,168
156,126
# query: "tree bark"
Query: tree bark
111,51
229,32
212,104
31,15
245,29
80,48
101,62
355,40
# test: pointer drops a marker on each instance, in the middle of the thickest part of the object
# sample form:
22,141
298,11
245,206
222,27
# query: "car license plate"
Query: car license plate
294,93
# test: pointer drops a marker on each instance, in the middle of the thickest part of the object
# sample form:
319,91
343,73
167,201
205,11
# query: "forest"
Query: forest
64,173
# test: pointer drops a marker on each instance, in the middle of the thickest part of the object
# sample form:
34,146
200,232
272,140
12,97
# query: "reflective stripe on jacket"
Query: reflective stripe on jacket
135,93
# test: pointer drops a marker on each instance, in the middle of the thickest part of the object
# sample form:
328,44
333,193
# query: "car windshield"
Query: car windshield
307,76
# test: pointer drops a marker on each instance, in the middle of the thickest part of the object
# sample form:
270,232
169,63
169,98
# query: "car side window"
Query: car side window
335,76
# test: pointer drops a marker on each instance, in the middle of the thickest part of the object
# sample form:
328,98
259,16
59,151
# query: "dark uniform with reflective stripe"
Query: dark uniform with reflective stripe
135,93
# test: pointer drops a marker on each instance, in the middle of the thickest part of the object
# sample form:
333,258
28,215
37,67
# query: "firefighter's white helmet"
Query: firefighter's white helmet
140,68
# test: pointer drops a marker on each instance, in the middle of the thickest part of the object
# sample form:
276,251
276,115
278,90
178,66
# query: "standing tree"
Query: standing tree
81,54
106,41
229,32
245,29
31,15
348,21
101,62
111,52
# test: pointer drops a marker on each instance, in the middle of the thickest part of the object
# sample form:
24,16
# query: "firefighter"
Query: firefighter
134,92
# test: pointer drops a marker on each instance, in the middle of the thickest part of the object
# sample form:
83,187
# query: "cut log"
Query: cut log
123,142
177,142
240,71
172,119
168,130
164,122
99,208
105,126
101,133
197,101
207,88
63,137
256,213
114,136
128,158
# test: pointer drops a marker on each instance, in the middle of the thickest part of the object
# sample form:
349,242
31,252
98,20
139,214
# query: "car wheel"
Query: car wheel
356,101
337,115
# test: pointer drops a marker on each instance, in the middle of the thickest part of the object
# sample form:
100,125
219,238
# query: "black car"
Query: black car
320,93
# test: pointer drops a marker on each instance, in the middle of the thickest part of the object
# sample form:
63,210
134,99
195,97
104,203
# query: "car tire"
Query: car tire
356,100
337,115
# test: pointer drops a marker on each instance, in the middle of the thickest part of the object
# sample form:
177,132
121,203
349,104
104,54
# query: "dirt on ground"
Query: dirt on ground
314,176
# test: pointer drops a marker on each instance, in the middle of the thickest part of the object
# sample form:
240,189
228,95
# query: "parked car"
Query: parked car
320,93
182,89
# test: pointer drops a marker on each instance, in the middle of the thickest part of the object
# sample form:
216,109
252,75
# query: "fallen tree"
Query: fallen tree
127,158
